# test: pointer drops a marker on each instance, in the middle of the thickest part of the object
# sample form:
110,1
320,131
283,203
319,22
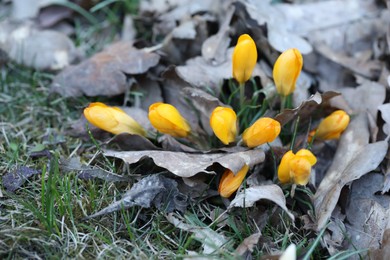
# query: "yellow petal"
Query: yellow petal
167,119
284,168
112,119
286,70
308,155
223,121
333,125
230,183
244,58
264,130
300,169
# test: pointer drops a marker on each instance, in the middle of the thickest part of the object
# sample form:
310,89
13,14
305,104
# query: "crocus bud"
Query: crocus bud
264,130
167,119
112,119
223,121
244,58
296,168
230,183
286,71
333,125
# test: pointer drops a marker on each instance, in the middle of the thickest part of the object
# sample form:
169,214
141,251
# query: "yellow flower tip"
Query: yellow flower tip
286,70
229,182
244,58
264,130
333,125
168,120
223,121
112,119
296,168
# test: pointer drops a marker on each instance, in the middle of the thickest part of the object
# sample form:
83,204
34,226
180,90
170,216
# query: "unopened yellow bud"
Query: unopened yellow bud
112,119
223,121
296,168
168,120
286,71
230,183
264,130
244,58
333,125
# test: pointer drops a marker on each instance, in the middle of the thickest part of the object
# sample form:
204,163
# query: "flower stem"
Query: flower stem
242,94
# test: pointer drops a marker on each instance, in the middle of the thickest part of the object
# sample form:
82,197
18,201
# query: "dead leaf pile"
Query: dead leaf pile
187,62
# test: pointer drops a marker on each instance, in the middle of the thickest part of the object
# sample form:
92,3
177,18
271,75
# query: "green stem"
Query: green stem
283,103
242,94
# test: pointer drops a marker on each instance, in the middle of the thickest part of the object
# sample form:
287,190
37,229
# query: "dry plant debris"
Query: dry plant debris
219,106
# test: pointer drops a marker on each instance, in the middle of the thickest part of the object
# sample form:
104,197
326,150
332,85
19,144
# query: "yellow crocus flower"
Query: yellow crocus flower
296,168
168,120
286,70
230,183
223,121
244,58
112,119
264,130
333,125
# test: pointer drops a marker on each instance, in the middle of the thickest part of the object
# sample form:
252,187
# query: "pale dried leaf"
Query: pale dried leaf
154,190
306,108
211,240
367,97
214,48
385,112
282,40
14,180
105,72
383,253
187,165
248,244
248,197
354,158
88,172
43,50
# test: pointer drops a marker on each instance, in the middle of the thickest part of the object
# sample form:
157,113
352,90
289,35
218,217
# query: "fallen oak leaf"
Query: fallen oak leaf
105,72
354,158
248,197
189,164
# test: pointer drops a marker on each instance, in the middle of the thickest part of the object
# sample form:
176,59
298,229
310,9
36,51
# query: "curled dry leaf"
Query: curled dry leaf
306,108
248,244
42,50
248,197
211,240
105,72
200,73
14,180
188,165
367,212
129,142
155,190
354,158
89,172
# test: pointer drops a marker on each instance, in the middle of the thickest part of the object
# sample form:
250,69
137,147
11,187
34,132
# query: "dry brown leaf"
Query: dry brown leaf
214,48
306,108
385,112
129,142
354,158
211,240
367,97
200,73
187,165
370,69
248,244
105,72
248,197
43,50
384,252
367,212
